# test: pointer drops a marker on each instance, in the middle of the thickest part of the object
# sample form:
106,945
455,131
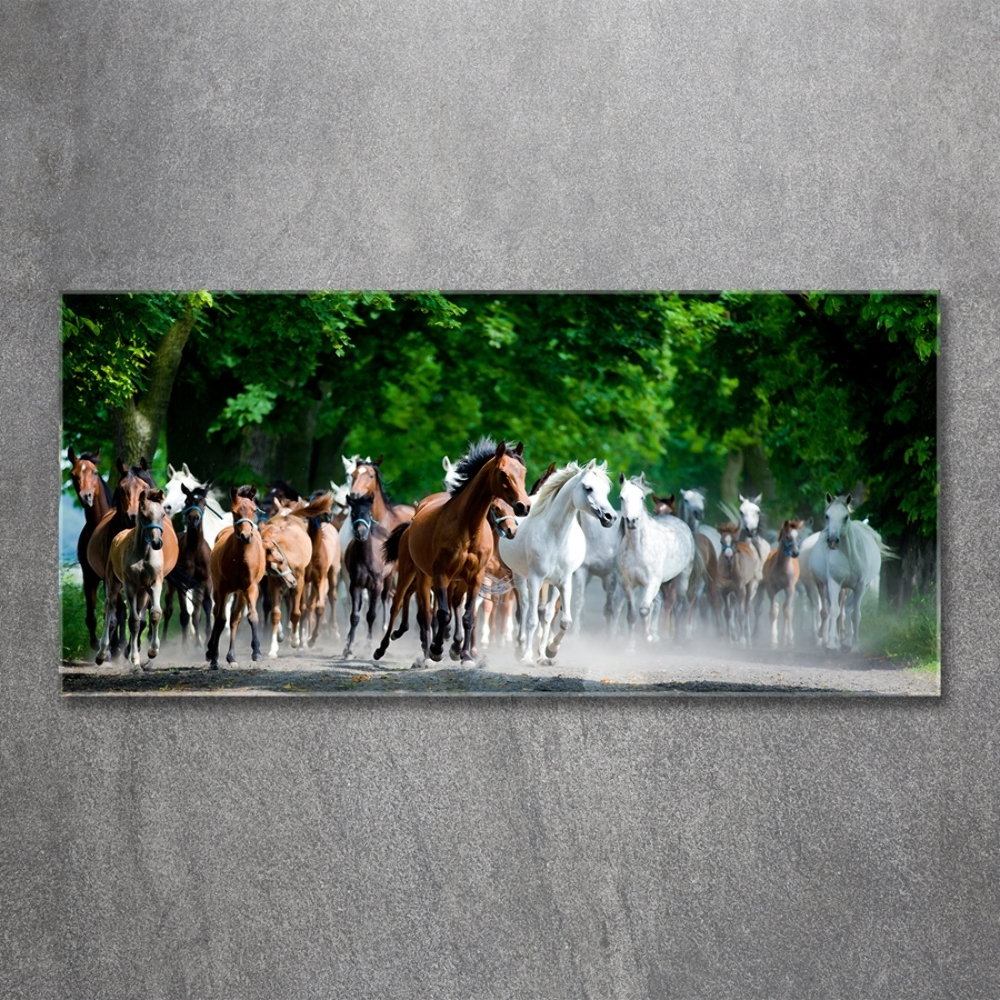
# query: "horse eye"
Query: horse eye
589,489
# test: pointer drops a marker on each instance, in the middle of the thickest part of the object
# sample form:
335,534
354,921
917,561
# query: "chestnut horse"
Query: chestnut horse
366,480
449,543
140,558
288,550
323,570
739,571
95,497
238,565
781,575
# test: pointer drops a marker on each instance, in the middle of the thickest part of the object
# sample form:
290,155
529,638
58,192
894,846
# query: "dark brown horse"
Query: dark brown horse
191,580
96,499
366,566
449,543
238,565
133,480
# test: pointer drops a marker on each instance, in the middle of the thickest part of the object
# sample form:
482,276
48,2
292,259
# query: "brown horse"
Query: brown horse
449,543
238,565
739,571
133,480
781,575
95,497
192,577
497,598
140,558
324,563
288,550
366,480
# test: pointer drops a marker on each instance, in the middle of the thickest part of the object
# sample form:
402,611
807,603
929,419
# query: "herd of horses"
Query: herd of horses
486,549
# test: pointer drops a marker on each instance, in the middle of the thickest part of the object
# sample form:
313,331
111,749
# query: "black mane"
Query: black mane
465,469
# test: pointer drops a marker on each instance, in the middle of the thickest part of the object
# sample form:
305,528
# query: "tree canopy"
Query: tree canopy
788,394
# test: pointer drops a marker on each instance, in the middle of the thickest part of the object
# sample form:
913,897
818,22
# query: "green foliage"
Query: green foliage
73,606
819,391
911,634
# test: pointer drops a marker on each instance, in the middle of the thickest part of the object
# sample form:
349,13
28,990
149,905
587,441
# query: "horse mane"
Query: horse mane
558,479
467,467
379,481
287,490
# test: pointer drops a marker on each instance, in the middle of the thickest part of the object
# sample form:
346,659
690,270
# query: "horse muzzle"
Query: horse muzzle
631,523
833,543
607,518
87,499
521,509
361,533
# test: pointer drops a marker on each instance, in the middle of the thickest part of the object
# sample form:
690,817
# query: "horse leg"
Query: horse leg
212,646
774,619
490,605
458,643
110,621
357,595
132,651
530,595
833,612
468,652
252,617
855,614
565,589
334,584
442,619
275,601
234,623
580,580
647,610
206,609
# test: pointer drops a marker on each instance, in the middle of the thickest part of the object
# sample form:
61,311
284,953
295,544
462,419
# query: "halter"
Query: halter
245,520
497,521
271,572
150,526
192,507
788,547
360,520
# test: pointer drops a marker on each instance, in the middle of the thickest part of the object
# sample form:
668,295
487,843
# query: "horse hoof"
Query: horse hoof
379,653
272,656
417,664
152,653
100,659
550,654
348,651
455,654
95,645
468,659
256,658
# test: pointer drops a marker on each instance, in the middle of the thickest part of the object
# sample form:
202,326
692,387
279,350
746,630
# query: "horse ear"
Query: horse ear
671,499
621,478
742,498
143,464
142,495
154,496
97,454
378,461
121,466
186,470
829,498
501,450
756,500
187,492
446,464
252,494
171,471
642,478
71,455
519,450
348,464
233,491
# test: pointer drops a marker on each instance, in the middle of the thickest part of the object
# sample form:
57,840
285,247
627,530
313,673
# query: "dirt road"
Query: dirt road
586,665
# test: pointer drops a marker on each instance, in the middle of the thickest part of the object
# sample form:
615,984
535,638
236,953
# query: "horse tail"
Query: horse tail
390,548
315,508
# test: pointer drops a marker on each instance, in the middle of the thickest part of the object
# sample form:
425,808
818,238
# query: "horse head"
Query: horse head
365,479
361,516
149,517
134,479
502,517
789,537
750,514
591,493
728,533
838,513
275,559
633,495
507,477
86,478
694,500
244,509
664,505
194,506
176,500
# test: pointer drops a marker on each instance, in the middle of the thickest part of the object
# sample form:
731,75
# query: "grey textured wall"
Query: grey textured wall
498,848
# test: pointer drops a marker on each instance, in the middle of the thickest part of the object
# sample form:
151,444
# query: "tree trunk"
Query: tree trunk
730,486
136,427
760,472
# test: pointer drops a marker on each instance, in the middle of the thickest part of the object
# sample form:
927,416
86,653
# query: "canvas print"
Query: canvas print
384,492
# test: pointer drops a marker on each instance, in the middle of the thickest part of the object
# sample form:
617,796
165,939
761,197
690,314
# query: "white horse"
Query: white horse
550,546
213,520
691,510
652,551
601,561
847,554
